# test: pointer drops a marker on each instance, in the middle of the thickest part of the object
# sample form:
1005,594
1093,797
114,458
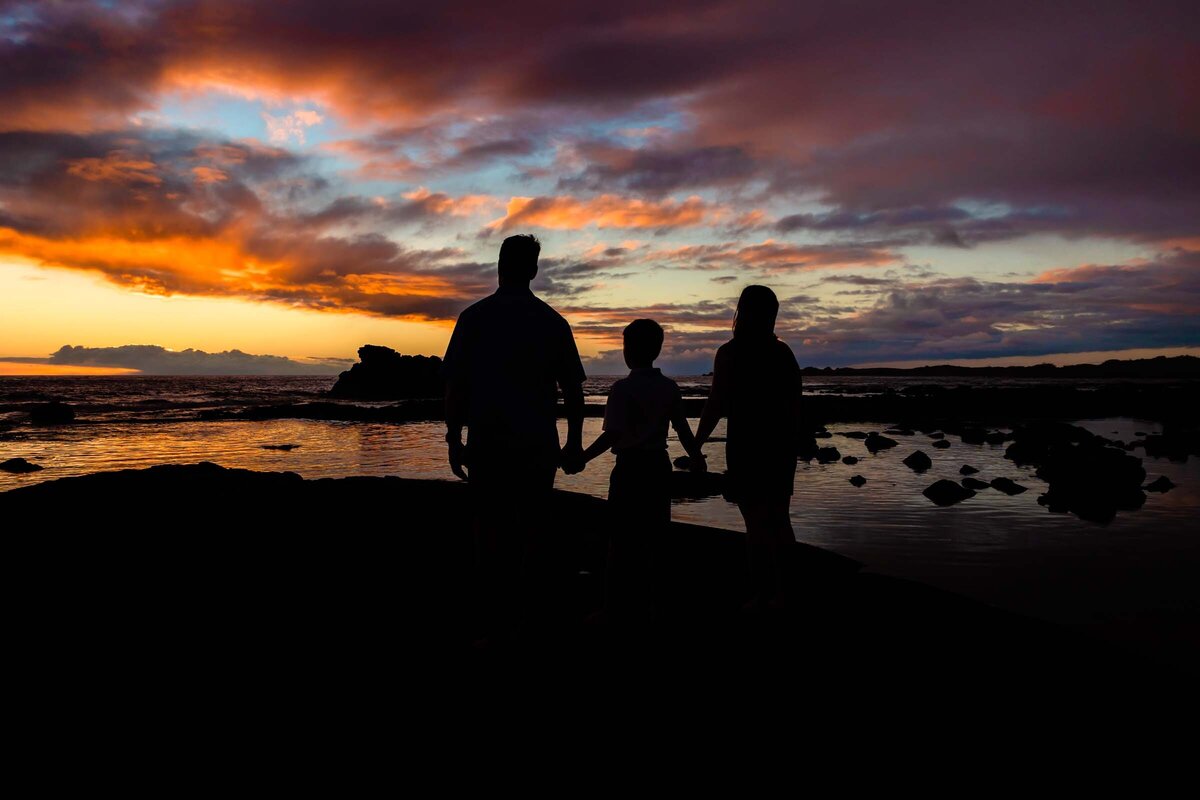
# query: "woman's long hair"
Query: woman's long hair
755,315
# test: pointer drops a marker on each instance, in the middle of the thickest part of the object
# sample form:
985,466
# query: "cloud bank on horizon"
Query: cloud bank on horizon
925,182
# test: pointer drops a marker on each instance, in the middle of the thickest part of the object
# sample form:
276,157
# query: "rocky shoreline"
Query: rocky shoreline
272,567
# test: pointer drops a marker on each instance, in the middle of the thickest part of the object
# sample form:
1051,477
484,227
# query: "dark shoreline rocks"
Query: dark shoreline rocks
292,588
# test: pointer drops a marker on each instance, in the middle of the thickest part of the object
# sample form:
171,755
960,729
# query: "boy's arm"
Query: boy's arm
602,443
684,430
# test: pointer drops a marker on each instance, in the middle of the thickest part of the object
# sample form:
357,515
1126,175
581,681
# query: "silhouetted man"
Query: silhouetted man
505,357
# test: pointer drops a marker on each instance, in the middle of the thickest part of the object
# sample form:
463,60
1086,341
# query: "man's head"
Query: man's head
518,258
643,343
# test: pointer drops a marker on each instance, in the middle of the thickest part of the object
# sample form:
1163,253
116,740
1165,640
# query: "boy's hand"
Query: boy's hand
698,463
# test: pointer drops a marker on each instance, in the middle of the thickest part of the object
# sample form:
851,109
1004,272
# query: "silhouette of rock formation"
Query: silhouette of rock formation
947,493
20,465
383,374
917,461
53,413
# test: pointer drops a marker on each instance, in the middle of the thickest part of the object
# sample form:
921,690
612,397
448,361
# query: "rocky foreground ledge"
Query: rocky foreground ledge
195,574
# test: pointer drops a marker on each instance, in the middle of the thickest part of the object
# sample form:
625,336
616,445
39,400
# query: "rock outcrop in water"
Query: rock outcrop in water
1087,476
947,493
874,442
20,465
383,374
917,461
52,413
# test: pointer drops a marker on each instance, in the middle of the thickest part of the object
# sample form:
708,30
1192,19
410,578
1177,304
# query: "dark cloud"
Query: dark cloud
155,360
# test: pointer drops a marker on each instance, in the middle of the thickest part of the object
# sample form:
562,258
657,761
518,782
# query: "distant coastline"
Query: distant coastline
1174,367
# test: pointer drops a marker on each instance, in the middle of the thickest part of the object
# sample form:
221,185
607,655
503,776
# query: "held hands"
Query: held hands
571,459
698,463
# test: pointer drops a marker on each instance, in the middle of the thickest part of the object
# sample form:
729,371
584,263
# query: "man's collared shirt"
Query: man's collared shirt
510,350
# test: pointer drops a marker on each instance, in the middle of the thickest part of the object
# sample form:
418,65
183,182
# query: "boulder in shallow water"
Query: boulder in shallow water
996,437
917,461
52,413
937,436
849,460
18,465
855,435
279,446
974,484
874,442
967,469
1007,486
858,480
947,493
941,444
383,374
1160,484
827,455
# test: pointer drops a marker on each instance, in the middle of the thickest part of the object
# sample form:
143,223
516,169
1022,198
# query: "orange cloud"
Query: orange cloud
116,167
605,211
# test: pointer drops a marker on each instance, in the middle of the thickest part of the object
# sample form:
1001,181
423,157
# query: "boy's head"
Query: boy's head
518,258
643,343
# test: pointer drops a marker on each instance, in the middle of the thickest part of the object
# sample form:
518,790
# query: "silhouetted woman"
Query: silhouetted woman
756,385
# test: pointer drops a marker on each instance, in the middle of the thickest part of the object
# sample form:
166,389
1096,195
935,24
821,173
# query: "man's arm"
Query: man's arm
570,379
457,398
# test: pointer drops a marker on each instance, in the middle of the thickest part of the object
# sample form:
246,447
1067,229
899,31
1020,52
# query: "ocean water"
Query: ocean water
1006,550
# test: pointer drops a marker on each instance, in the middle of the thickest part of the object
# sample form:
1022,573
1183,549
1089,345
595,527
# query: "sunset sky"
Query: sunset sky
919,182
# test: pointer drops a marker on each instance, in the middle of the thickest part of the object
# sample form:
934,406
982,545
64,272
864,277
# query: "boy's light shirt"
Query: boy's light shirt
639,410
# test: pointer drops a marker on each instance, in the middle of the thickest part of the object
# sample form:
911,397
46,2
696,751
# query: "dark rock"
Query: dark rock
1007,486
52,413
1160,484
858,480
975,484
279,446
683,462
822,435
973,435
1137,433
938,435
18,465
874,443
919,462
967,469
996,437
941,444
849,460
384,374
901,431
828,455
855,435
1086,477
947,493
1174,444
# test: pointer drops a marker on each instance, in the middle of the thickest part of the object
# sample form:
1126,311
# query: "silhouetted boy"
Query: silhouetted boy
636,416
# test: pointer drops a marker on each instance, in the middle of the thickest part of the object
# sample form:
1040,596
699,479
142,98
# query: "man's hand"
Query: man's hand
458,457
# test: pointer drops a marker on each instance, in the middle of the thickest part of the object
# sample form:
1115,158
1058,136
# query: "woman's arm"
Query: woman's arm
717,404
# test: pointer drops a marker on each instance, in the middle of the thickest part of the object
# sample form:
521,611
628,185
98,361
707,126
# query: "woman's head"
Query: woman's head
756,311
